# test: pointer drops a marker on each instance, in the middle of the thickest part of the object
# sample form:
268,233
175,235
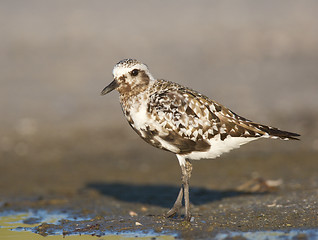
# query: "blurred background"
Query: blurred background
63,146
258,58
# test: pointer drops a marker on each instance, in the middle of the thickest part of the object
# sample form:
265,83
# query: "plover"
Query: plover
180,120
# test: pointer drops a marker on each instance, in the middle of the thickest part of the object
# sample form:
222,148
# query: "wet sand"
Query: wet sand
135,184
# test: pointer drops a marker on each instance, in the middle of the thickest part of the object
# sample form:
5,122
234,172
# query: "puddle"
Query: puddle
54,225
309,234
24,225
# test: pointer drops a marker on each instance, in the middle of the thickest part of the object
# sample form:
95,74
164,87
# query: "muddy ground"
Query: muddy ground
134,184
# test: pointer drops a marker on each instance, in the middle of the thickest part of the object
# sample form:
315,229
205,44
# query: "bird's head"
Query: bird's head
129,75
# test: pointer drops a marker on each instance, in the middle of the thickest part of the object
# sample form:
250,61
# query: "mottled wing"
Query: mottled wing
233,125
224,122
236,126
187,124
189,120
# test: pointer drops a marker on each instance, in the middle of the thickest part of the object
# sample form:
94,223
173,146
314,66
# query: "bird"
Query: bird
180,120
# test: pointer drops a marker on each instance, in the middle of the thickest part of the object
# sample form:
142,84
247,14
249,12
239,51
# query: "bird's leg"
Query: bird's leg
186,169
177,205
186,175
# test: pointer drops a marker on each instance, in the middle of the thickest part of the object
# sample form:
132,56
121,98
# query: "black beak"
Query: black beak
113,85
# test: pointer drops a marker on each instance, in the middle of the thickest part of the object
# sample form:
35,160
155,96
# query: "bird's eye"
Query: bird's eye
134,72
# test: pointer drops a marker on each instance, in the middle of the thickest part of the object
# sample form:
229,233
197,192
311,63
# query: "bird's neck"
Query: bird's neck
136,95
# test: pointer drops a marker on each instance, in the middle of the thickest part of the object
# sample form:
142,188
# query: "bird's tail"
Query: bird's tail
273,132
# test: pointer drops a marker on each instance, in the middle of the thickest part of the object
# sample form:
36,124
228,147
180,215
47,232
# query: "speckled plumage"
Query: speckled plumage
180,120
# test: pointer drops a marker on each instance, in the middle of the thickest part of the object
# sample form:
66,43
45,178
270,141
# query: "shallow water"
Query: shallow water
14,225
310,234
24,225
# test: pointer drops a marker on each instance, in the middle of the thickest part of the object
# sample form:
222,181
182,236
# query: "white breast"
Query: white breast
139,115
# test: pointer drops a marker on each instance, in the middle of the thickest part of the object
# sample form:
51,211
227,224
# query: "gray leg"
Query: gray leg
186,175
177,205
186,169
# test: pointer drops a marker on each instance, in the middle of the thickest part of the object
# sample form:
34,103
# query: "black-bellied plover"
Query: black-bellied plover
182,121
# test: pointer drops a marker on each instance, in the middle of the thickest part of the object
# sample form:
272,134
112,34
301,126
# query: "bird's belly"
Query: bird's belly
218,147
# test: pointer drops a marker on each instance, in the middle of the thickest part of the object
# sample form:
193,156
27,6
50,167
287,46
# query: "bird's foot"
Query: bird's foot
173,211
187,217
